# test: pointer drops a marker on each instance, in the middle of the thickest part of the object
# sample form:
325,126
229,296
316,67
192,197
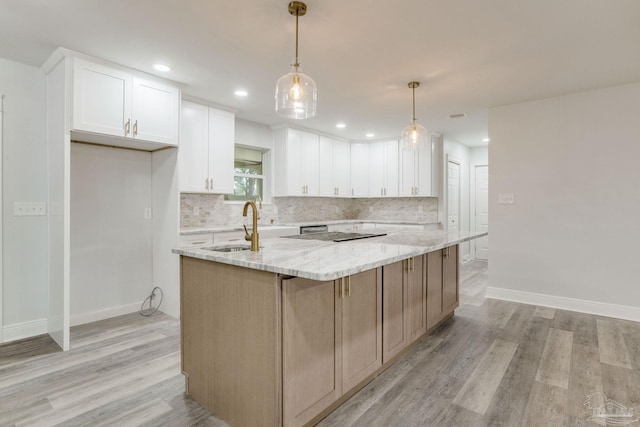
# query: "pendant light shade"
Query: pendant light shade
296,93
413,135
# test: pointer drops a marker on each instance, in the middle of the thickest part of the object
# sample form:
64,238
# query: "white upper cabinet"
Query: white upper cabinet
334,168
417,168
296,170
155,111
383,177
360,169
206,150
112,102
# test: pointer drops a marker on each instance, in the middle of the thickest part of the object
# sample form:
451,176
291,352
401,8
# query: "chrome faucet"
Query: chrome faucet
253,236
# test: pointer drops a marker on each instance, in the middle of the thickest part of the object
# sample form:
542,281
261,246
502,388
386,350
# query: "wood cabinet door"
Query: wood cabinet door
450,279
311,347
361,326
155,111
416,299
101,99
434,288
395,336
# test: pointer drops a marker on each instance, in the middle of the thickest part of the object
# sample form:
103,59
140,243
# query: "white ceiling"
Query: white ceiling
469,55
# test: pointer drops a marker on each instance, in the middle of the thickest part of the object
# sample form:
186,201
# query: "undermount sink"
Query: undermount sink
234,248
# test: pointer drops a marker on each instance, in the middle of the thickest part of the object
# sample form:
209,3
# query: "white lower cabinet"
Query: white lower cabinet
206,150
195,239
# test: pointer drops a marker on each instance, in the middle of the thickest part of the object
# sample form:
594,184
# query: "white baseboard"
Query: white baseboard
572,304
19,331
94,316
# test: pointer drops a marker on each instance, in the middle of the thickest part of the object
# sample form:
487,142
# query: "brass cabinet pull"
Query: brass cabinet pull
340,286
127,127
135,128
348,286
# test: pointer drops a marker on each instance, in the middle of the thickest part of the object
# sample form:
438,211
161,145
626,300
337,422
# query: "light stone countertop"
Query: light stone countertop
238,227
320,260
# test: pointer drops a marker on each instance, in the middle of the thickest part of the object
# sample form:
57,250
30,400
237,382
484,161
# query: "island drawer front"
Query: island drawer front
196,239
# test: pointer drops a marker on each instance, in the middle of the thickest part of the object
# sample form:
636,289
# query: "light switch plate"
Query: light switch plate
506,199
29,208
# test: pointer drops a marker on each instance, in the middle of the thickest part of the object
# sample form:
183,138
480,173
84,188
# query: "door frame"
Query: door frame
1,226
472,193
456,161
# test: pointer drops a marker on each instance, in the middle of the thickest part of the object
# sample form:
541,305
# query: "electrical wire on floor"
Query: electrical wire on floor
148,308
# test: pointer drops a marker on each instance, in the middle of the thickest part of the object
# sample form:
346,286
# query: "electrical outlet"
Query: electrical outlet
419,208
196,211
290,210
29,208
147,213
506,199
370,208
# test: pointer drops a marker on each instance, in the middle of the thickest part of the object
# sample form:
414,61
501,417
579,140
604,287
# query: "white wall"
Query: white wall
253,134
571,238
479,155
111,240
458,153
25,302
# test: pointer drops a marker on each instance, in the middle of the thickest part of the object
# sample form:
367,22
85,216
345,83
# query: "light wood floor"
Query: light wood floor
495,363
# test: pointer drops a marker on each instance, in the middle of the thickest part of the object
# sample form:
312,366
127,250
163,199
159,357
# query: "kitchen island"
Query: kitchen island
285,335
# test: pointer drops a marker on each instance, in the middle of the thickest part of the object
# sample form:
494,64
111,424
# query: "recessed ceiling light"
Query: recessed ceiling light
161,67
241,92
341,126
486,140
370,135
457,115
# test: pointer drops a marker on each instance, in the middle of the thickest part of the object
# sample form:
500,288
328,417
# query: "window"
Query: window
248,175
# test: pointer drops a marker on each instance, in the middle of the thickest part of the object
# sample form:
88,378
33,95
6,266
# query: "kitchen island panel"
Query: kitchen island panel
231,342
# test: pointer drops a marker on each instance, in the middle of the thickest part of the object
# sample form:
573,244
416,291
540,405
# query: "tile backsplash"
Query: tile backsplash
210,210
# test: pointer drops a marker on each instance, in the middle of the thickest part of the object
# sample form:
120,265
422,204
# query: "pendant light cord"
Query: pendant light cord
297,64
413,89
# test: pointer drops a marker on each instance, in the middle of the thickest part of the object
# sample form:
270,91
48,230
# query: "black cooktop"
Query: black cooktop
334,236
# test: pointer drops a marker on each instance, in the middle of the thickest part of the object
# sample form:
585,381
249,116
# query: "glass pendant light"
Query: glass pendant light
413,135
296,93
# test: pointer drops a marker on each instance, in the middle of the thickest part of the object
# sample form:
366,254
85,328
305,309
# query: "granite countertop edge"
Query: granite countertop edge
322,261
238,227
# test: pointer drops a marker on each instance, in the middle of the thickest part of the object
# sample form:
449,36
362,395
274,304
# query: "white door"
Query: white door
481,177
453,195
1,270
